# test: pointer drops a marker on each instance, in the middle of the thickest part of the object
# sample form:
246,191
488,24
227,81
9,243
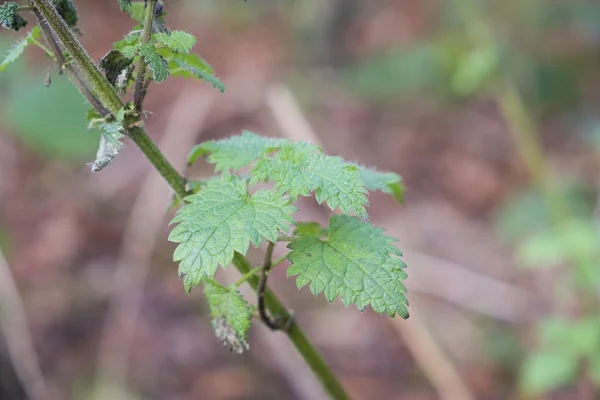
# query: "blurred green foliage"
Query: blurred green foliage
57,127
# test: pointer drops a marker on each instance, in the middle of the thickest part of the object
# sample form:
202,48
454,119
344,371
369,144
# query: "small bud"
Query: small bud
10,18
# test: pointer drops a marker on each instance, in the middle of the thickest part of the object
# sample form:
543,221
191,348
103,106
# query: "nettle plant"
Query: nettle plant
217,220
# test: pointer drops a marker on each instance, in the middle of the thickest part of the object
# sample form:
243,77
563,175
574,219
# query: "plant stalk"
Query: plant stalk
140,87
101,89
272,321
311,356
94,81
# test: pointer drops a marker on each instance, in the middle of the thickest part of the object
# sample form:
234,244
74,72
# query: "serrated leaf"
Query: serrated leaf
221,219
178,41
17,50
301,168
231,315
10,18
113,64
193,66
235,152
387,182
110,144
129,45
355,262
135,9
157,64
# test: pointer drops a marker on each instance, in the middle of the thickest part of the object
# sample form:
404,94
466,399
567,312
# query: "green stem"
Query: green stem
101,89
312,357
140,87
99,85
526,136
153,153
256,270
44,48
278,261
272,321
67,67
248,275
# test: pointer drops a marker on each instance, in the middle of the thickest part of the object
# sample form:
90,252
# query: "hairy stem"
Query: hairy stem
247,276
67,67
140,86
103,92
311,356
98,84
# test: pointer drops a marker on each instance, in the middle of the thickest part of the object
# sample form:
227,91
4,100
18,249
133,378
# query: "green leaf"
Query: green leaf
572,240
114,64
125,5
178,41
547,370
231,315
58,127
474,69
10,18
387,182
137,12
355,262
235,152
19,47
129,45
136,9
110,144
157,64
301,168
221,219
193,66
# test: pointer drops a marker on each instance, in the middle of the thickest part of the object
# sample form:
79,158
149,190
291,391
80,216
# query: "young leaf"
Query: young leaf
129,45
356,262
231,315
157,64
178,41
113,64
19,47
221,219
137,11
301,168
193,66
10,18
387,182
110,144
235,152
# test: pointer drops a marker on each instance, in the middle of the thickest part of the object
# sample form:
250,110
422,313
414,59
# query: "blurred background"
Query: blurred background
487,108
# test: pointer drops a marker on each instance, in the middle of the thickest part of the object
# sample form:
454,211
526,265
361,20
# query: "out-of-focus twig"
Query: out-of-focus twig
435,364
132,268
19,341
